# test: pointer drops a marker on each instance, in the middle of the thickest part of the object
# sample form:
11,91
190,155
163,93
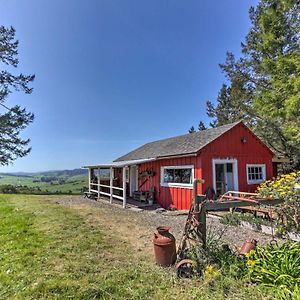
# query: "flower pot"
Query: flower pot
266,229
294,236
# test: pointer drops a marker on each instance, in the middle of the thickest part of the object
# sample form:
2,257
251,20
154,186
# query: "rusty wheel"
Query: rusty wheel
185,268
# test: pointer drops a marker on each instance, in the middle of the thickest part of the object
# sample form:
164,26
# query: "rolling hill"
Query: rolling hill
52,182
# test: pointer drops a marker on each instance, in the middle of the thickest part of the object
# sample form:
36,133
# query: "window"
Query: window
256,174
180,176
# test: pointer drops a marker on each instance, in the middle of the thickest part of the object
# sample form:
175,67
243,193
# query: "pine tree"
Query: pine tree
264,84
201,126
192,129
14,119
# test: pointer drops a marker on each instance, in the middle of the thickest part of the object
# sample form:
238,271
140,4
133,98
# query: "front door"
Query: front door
224,177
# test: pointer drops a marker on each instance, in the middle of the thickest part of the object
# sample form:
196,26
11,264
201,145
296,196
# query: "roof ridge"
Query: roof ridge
196,132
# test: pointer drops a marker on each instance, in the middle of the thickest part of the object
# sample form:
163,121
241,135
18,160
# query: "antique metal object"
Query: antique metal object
248,246
164,247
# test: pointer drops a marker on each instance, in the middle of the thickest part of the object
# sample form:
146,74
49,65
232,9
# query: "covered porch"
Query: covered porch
116,180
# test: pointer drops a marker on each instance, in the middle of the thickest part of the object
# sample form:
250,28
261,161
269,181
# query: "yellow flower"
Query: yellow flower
209,269
251,263
211,274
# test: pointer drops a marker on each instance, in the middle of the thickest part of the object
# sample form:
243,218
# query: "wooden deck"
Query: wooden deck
130,203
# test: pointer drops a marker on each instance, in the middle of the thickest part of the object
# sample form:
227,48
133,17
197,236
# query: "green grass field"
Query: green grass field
49,251
73,183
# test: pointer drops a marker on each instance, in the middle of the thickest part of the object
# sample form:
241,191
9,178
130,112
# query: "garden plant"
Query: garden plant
287,188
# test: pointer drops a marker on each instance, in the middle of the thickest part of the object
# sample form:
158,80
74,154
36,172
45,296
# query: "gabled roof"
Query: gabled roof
186,144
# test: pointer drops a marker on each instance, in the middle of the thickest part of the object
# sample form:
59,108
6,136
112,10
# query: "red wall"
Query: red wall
229,145
165,196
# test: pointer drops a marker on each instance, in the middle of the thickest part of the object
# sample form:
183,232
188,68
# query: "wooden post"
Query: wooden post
196,197
89,184
195,191
124,187
99,183
202,227
231,208
200,211
111,182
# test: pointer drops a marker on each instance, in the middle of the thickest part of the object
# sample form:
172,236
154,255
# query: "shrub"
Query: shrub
236,218
284,187
233,219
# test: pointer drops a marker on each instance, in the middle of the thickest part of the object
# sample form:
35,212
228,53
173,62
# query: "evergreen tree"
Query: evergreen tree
201,126
15,119
192,129
264,84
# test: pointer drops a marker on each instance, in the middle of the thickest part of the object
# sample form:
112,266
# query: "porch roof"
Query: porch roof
121,164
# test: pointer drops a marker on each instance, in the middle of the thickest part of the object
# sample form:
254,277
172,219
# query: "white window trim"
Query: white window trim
173,184
234,169
263,168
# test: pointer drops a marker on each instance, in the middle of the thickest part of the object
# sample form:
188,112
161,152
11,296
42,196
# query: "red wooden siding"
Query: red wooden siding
227,146
230,146
165,196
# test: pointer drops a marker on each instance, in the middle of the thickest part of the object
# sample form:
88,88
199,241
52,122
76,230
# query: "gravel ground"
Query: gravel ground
147,220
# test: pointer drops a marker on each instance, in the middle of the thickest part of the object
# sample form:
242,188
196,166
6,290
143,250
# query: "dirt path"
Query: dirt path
138,226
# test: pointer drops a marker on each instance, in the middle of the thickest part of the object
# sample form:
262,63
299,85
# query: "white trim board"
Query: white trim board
263,169
173,184
234,169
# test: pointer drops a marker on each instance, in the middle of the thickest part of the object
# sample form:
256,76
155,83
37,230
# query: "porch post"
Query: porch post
111,182
89,173
124,187
98,182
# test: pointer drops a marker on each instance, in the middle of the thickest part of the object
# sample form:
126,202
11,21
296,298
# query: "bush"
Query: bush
233,219
285,187
236,218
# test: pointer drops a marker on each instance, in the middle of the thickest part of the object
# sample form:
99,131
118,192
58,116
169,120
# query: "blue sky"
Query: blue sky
112,75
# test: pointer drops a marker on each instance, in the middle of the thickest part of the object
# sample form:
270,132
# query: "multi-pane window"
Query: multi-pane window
177,176
256,174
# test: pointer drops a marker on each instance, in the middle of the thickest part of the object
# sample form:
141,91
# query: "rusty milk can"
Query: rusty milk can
248,246
164,247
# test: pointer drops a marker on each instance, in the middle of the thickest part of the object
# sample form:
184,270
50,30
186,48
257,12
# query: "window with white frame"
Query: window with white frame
256,173
180,176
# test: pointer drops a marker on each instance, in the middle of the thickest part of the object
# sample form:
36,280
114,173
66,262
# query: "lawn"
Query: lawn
51,251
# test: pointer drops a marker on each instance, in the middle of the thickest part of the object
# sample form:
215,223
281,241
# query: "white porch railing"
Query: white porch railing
96,187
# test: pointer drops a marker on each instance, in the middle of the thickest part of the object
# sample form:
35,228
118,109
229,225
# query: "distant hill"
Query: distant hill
57,173
50,182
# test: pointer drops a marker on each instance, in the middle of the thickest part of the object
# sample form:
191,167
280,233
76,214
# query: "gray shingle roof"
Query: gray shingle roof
180,145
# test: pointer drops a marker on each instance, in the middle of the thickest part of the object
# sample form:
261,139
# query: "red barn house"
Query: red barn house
229,158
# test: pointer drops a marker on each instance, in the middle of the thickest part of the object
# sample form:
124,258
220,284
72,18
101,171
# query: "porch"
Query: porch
116,180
